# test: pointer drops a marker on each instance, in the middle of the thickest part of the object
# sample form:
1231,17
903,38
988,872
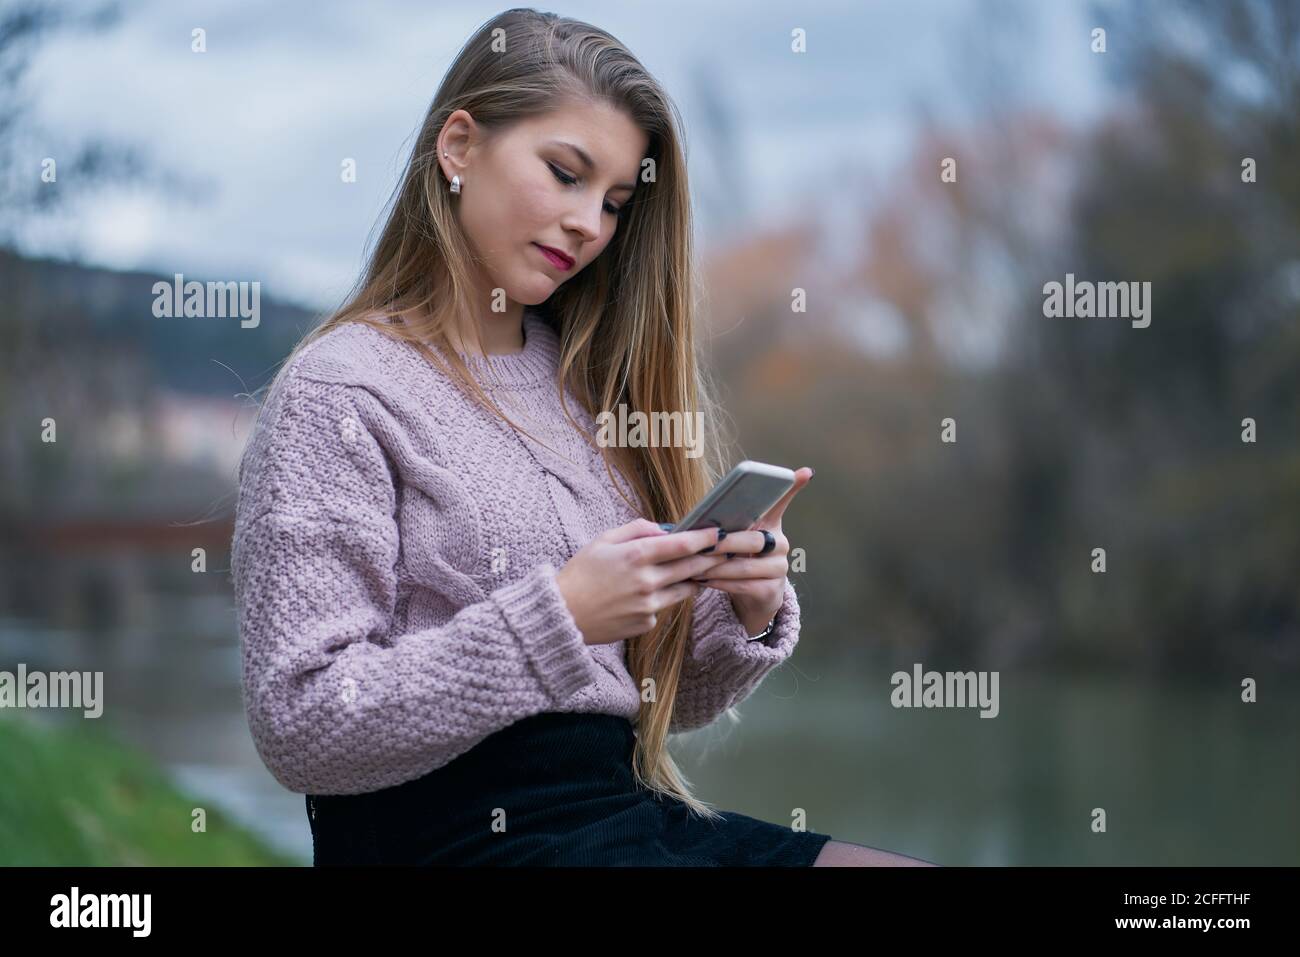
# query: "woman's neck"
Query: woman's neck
499,333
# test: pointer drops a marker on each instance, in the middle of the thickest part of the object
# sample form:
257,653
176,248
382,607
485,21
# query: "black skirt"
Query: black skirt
551,789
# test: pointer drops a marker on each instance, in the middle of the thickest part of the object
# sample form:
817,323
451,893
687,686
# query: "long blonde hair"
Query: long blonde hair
626,324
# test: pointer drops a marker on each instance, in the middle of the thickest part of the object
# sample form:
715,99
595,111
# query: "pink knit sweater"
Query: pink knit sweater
394,563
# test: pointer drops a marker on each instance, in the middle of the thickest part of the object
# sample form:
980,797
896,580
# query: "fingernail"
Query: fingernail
666,526
721,535
811,472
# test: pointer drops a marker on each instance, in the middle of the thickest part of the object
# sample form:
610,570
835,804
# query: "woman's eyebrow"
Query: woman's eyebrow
587,161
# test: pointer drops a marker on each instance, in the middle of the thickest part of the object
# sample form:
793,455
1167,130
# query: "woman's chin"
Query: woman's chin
539,289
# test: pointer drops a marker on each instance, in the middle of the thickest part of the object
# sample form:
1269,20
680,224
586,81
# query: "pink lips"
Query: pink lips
558,259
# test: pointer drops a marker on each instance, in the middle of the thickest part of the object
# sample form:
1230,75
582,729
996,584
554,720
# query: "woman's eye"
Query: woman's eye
566,180
570,180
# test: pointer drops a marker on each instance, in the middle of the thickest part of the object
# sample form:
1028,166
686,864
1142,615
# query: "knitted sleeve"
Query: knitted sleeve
338,701
724,666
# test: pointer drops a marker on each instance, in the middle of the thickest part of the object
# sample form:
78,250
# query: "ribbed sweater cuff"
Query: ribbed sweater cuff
722,636
545,629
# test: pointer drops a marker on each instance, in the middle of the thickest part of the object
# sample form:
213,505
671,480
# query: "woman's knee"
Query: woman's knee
846,854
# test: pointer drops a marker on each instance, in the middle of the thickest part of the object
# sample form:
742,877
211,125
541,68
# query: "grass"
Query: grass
75,796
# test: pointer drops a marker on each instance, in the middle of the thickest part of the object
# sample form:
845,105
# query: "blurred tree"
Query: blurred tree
24,142
1203,529
1081,433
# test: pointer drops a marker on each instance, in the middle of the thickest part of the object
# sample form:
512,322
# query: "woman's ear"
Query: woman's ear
455,143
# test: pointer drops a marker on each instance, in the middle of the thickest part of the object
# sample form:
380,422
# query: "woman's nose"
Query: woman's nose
585,222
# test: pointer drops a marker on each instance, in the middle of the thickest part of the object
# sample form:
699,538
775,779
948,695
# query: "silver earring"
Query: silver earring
455,180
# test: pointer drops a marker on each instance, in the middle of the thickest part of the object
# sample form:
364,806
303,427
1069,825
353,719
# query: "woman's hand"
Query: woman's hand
757,585
617,584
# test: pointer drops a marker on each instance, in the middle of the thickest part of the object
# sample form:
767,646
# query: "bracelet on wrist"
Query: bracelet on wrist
771,625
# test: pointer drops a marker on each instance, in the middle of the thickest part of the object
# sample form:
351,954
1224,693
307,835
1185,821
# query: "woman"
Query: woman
466,637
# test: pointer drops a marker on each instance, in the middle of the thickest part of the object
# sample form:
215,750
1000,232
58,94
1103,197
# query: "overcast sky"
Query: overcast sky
286,90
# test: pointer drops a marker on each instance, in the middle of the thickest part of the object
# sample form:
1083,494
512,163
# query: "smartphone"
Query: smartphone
742,497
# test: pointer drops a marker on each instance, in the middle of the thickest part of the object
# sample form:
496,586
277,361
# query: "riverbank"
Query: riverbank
74,795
